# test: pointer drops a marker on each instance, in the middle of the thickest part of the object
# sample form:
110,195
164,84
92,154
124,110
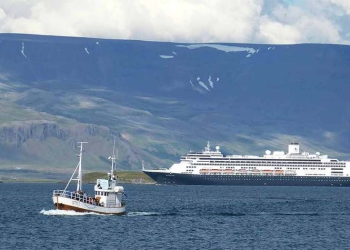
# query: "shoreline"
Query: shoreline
124,177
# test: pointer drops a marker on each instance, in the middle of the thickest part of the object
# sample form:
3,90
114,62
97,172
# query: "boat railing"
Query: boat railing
240,172
83,198
75,196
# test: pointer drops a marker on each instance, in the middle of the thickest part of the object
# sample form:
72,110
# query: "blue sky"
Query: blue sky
233,21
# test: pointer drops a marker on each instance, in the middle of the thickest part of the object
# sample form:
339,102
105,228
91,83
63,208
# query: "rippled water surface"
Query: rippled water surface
181,217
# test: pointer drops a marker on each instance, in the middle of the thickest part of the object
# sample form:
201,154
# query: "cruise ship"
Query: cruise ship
294,168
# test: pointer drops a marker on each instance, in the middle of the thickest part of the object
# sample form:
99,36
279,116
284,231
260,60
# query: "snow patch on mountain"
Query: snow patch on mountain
224,48
22,51
86,50
166,56
210,82
203,85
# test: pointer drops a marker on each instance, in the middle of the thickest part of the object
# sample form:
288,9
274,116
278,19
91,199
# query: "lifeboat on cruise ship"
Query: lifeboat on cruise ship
203,170
228,171
279,171
267,172
215,171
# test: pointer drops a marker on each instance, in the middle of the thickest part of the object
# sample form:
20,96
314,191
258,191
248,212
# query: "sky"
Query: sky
190,21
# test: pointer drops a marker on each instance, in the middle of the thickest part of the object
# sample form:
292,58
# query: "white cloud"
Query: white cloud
2,15
275,32
343,4
204,21
290,24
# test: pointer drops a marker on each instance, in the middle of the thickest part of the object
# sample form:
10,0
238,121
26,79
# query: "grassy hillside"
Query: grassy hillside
123,177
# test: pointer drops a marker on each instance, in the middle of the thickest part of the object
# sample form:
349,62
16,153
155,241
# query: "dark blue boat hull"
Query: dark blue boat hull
247,180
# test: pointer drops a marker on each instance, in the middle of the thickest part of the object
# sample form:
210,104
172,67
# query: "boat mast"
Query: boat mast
79,180
113,158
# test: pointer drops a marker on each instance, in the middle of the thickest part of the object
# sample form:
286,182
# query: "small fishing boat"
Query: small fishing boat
107,198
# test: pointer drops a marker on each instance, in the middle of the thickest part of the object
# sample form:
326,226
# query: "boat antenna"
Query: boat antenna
207,148
113,158
80,178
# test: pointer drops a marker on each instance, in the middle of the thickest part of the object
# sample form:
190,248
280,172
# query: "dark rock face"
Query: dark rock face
163,99
16,133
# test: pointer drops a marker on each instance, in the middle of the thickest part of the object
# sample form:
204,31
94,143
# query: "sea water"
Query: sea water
180,217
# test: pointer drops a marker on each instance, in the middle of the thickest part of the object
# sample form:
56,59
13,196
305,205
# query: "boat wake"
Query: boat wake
67,212
143,214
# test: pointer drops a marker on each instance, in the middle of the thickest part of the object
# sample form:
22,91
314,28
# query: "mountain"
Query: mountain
160,100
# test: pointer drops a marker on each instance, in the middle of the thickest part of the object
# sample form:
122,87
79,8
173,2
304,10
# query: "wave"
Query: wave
67,212
295,199
151,214
143,214
297,214
268,214
231,214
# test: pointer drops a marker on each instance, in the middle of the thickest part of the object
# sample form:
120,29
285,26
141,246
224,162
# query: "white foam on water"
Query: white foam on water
142,213
66,212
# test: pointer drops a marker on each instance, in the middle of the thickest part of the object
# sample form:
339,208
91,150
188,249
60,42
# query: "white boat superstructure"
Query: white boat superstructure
107,199
272,163
231,168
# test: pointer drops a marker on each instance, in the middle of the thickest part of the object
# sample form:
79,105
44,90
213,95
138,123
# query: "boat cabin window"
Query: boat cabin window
102,193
